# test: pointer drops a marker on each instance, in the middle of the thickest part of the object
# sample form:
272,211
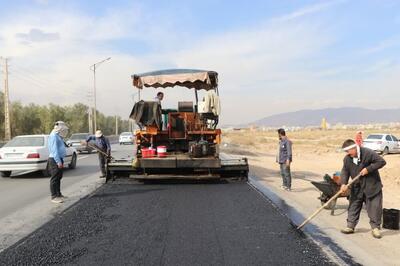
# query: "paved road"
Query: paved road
25,202
130,223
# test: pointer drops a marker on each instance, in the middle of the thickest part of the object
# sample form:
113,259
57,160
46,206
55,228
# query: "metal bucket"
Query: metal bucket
391,219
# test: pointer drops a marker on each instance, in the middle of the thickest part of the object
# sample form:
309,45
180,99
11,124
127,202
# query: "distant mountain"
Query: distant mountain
347,115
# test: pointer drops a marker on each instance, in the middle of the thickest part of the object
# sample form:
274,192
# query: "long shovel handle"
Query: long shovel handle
102,152
328,202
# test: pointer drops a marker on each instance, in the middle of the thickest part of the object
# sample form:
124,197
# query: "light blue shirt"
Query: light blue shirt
56,147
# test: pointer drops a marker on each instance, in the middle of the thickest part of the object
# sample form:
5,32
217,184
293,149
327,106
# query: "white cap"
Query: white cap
61,128
98,134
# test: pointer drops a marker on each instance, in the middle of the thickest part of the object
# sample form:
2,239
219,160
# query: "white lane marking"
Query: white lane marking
82,157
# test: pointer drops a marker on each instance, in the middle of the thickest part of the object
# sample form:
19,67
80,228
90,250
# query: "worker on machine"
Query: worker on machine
159,97
367,189
103,144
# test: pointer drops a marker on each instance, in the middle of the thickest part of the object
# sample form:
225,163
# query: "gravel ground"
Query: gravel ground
130,223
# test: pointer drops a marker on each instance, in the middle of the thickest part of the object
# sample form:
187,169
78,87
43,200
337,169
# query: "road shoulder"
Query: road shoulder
21,223
303,200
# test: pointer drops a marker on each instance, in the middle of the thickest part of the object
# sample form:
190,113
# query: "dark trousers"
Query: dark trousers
286,175
102,163
373,206
55,179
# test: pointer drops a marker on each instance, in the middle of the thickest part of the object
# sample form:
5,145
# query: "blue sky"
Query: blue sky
277,55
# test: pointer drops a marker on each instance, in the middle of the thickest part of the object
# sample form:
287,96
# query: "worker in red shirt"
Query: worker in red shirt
359,138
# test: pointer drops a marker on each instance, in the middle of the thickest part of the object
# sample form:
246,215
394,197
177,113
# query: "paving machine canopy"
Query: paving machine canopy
189,78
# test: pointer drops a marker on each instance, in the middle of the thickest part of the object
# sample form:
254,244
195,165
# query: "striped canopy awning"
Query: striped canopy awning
189,78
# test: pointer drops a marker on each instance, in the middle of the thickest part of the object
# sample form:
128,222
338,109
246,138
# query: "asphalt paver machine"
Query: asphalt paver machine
181,143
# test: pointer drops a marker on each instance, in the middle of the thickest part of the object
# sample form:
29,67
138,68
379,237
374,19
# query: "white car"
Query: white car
30,153
382,143
126,138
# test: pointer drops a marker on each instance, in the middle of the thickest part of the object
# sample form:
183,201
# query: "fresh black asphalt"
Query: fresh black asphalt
131,223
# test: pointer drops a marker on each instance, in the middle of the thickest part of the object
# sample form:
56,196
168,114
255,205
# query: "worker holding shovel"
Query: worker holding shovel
368,188
104,150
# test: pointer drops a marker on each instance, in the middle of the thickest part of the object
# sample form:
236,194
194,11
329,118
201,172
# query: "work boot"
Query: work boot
57,200
376,233
347,230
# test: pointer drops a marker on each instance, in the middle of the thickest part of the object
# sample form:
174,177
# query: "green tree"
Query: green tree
39,119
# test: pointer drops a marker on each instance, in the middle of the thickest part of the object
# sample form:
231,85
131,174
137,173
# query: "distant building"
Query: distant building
324,124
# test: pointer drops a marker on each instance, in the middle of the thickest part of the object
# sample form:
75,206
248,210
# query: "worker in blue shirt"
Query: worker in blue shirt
57,153
103,144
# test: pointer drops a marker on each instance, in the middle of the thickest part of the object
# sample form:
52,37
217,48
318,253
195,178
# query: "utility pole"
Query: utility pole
90,120
7,124
116,125
93,68
90,113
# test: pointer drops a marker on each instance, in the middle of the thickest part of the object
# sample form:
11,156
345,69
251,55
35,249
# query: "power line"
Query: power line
38,84
44,82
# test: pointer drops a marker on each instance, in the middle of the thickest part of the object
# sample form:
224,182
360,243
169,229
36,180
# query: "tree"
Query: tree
38,119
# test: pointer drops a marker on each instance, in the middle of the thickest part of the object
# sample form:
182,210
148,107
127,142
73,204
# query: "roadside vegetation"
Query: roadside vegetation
39,119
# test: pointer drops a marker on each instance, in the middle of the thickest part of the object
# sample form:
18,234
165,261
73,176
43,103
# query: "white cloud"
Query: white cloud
307,10
37,35
263,68
382,45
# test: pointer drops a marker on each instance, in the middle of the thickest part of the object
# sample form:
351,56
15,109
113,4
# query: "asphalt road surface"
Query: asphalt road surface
131,223
24,188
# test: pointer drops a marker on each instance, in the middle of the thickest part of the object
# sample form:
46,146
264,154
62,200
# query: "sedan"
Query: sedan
78,141
382,143
30,153
126,138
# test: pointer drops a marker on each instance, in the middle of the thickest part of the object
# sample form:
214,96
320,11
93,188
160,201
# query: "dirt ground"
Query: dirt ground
315,152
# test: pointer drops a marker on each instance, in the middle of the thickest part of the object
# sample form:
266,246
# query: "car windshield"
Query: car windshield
126,134
78,136
26,142
375,137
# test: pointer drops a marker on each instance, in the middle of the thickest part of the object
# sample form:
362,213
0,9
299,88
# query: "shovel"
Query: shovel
328,202
100,151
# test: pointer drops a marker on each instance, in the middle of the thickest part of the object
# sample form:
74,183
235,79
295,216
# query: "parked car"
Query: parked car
30,153
126,138
77,139
382,143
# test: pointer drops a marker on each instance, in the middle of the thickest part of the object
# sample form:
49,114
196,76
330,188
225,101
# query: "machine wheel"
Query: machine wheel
72,165
6,173
385,150
46,172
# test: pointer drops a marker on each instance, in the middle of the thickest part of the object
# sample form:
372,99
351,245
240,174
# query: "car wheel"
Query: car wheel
46,172
385,150
6,173
72,165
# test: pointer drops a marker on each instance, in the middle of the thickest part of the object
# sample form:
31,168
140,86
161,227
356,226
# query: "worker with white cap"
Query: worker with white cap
57,153
367,189
103,144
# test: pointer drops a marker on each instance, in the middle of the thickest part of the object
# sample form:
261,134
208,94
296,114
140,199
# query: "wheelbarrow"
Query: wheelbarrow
328,188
